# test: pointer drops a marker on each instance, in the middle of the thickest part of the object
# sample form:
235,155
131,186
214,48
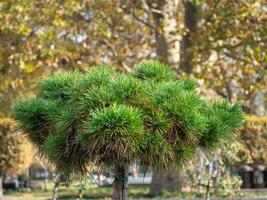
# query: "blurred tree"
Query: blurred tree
223,43
249,147
252,144
15,151
39,37
229,50
114,119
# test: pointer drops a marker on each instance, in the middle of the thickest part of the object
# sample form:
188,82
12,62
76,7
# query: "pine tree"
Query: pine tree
111,120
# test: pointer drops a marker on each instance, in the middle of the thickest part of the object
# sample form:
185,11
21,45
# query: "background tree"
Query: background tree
114,119
15,151
251,146
39,38
232,36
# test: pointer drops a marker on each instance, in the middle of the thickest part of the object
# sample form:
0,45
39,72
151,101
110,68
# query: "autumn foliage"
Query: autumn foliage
15,151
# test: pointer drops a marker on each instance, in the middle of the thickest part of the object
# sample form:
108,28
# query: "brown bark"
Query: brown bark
170,181
258,106
1,187
168,47
190,21
167,35
120,183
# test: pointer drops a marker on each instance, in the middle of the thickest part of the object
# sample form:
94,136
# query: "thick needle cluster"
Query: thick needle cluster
112,119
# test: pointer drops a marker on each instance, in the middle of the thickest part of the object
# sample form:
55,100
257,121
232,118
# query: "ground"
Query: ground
135,192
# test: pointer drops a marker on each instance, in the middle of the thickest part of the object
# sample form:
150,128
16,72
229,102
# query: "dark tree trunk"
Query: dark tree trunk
120,183
1,186
170,181
190,21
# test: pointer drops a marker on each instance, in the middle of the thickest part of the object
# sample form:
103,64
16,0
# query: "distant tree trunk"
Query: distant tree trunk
190,21
168,47
55,189
170,181
258,105
57,179
1,187
120,183
46,172
167,34
207,195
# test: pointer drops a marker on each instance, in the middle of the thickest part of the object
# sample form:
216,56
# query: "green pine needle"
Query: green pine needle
110,119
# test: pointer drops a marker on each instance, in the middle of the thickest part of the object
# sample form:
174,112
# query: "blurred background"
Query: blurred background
220,43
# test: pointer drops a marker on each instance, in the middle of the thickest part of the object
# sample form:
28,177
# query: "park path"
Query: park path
37,197
27,196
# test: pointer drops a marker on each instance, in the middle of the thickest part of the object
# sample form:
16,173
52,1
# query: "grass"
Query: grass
71,192
135,192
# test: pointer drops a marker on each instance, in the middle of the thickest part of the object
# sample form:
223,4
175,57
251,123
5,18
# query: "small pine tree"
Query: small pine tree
113,119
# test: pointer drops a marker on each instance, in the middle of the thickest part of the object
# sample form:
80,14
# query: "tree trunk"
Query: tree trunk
1,187
120,183
190,22
46,172
55,189
258,106
170,181
168,47
167,34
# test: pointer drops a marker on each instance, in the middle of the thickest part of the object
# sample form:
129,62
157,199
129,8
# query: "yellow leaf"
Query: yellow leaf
27,67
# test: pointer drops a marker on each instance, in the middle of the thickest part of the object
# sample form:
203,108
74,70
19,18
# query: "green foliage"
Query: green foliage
55,146
154,70
223,119
114,133
59,86
35,116
112,119
125,89
68,155
98,75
